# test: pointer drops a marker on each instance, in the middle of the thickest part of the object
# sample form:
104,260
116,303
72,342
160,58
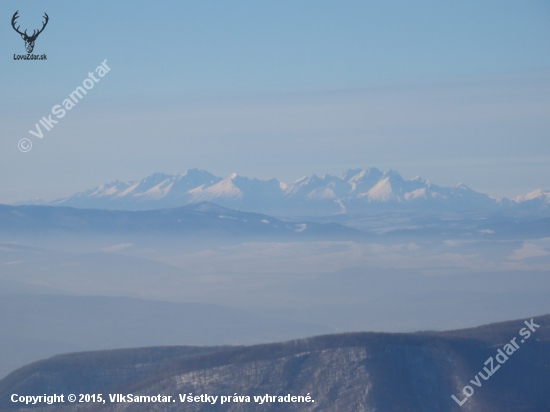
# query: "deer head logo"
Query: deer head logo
29,40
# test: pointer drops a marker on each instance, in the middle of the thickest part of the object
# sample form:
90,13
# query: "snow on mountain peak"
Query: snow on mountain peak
128,190
382,191
159,191
225,188
539,196
354,191
322,193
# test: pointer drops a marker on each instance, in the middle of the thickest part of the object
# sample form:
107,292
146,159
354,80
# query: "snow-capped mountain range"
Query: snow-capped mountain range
356,191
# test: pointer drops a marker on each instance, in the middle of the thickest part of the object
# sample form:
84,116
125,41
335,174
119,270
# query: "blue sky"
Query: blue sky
451,91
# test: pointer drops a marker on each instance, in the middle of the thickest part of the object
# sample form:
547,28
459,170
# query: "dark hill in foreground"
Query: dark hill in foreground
347,372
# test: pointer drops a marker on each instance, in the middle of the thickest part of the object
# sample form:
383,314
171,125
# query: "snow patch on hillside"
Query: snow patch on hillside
382,191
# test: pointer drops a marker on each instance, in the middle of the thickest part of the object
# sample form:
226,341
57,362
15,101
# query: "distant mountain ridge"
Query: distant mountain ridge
356,191
200,218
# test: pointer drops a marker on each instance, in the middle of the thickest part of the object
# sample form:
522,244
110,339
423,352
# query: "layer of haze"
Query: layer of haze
449,91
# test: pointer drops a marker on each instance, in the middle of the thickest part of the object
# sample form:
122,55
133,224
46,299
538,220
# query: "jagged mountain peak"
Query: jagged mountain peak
356,190
535,194
536,200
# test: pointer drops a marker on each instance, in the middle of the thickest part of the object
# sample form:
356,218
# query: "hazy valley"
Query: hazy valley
205,274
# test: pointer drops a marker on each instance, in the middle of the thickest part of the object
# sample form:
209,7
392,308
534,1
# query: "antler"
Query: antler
15,16
34,35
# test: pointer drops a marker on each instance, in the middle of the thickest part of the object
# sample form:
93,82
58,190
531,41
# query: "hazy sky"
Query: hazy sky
452,91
